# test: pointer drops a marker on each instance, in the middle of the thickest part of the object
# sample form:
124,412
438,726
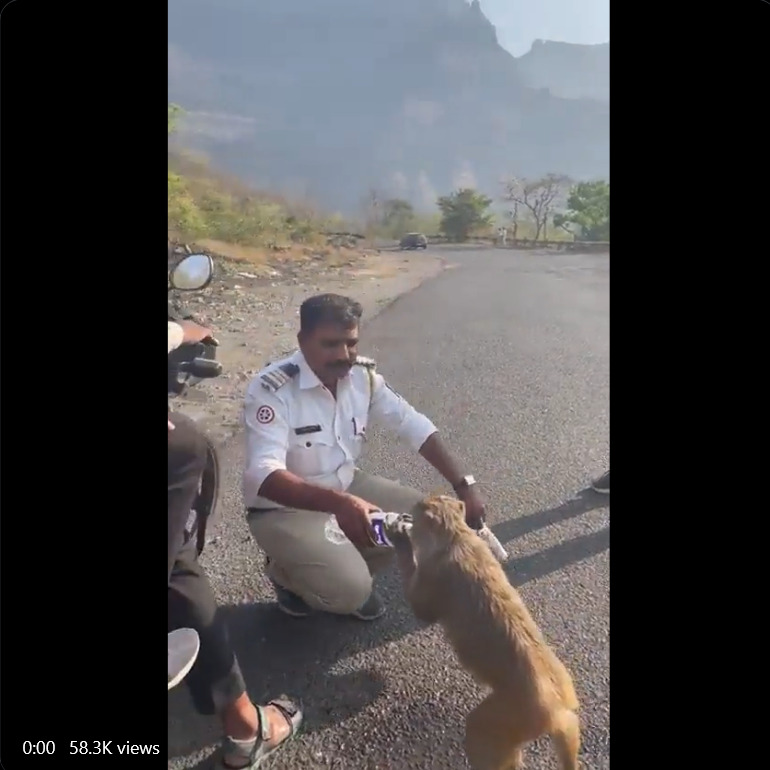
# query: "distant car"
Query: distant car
414,241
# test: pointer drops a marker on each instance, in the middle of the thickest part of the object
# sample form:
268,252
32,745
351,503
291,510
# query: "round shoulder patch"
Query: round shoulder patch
265,415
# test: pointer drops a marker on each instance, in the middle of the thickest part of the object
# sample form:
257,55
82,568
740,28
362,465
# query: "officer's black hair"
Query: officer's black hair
329,309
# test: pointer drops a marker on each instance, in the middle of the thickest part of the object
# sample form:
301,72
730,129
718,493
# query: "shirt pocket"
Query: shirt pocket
313,454
359,425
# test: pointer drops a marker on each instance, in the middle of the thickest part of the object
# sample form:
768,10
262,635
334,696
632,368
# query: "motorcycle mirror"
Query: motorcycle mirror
192,273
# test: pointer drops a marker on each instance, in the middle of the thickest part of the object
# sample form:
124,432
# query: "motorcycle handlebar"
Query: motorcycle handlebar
202,368
195,360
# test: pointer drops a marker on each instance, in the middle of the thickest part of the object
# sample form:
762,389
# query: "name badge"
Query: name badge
307,429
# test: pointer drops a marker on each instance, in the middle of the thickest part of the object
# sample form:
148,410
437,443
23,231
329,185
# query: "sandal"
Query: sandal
255,751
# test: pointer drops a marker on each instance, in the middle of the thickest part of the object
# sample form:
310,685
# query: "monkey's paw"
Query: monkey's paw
398,525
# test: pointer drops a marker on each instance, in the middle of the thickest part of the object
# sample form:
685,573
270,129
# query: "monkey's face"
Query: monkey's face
438,516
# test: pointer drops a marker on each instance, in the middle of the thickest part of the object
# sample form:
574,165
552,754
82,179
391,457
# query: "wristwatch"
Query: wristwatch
464,483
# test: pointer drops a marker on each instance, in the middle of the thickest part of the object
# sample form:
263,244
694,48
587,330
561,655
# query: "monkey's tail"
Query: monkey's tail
565,735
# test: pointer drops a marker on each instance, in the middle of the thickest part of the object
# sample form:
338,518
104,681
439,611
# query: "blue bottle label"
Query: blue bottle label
378,528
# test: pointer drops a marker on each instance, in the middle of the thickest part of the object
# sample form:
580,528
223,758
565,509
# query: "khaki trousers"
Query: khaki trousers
328,576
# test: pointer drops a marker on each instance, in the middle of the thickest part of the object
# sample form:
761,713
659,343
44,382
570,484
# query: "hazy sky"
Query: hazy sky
519,22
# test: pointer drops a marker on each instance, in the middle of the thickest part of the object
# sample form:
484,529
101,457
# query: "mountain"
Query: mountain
331,99
568,70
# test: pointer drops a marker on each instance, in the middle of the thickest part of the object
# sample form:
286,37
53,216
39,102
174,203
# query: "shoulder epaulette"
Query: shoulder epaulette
369,363
278,377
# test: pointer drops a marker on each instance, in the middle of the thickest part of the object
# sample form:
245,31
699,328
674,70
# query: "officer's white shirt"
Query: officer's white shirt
302,428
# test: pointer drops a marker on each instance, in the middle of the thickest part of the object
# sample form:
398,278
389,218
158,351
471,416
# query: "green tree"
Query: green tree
397,217
588,207
174,111
462,213
184,216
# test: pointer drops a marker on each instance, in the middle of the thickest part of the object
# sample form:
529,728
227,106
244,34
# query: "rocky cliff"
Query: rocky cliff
567,70
330,99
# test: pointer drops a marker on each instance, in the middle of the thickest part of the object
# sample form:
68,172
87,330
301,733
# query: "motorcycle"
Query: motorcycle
188,365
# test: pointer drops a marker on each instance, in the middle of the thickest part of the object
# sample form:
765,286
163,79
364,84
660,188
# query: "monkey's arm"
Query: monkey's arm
415,582
423,598
404,556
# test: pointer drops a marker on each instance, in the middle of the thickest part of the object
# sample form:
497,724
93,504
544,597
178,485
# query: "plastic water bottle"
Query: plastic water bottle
488,536
379,520
333,532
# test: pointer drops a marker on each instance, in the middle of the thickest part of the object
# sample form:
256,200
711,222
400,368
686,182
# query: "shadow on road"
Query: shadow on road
281,654
526,568
521,571
585,501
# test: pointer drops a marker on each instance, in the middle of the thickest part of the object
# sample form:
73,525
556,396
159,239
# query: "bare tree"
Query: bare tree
538,196
372,205
513,215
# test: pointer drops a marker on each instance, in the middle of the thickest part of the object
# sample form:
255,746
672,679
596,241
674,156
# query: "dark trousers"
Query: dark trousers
215,680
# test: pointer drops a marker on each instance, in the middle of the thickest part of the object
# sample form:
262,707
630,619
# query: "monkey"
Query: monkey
451,577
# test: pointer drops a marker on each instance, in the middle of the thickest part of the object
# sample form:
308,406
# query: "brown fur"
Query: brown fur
451,577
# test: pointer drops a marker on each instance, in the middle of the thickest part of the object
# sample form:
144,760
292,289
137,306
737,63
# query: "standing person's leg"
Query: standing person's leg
602,484
215,680
310,572
186,461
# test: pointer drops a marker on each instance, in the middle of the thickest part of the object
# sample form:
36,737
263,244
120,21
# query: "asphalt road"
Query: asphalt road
508,352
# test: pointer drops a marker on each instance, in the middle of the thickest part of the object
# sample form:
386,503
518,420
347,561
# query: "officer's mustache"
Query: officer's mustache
340,365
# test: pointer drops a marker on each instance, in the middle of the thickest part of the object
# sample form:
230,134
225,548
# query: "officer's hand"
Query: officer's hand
194,332
352,516
475,507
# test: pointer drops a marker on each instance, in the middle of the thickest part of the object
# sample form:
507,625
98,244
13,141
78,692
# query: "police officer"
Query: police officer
215,680
306,420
